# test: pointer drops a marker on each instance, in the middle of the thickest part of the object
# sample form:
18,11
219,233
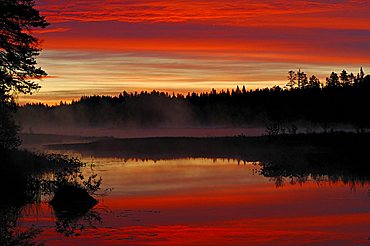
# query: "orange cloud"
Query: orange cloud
183,45
50,30
322,14
228,49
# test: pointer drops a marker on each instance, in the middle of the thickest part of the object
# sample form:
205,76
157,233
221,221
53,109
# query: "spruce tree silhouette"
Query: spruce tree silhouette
315,105
18,66
333,80
292,79
314,82
344,78
302,79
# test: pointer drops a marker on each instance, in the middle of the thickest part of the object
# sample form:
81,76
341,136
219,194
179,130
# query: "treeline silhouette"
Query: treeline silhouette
341,101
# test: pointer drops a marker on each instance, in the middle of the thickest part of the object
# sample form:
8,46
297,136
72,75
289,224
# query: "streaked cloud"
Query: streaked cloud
288,44
95,47
109,73
339,14
51,30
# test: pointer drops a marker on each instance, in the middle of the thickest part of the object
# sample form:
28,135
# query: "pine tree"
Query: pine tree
333,80
344,79
292,80
314,82
18,66
302,79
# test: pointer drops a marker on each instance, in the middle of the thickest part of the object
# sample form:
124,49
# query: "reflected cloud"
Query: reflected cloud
206,201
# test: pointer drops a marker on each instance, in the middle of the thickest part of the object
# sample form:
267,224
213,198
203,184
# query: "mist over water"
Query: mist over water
202,191
147,115
287,164
210,168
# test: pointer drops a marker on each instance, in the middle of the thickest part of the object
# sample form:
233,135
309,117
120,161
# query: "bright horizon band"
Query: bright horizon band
95,47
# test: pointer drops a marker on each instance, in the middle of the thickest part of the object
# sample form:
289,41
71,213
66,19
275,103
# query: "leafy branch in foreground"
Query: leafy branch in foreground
18,47
70,175
18,66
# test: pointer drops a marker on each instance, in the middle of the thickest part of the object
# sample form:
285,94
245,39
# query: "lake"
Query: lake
206,201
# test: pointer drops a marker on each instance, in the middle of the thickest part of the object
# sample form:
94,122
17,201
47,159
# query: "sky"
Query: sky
107,46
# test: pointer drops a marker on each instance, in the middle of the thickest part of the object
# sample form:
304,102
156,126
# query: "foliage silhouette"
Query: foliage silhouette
21,171
20,179
18,66
306,103
8,128
18,47
25,176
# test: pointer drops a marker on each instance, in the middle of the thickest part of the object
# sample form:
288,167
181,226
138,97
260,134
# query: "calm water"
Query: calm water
208,202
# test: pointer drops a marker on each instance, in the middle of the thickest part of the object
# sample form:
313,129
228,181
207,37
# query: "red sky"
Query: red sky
105,47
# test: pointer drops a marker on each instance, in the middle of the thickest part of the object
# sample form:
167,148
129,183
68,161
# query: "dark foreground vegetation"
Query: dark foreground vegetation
26,177
341,102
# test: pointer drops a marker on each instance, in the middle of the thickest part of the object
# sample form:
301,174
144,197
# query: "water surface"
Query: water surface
208,202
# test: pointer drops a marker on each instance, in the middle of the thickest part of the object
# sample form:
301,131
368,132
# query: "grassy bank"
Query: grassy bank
240,147
20,169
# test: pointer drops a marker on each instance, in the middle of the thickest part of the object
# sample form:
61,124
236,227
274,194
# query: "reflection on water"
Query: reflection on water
208,202
73,224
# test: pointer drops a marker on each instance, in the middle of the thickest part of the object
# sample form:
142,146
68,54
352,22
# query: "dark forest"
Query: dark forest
305,103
